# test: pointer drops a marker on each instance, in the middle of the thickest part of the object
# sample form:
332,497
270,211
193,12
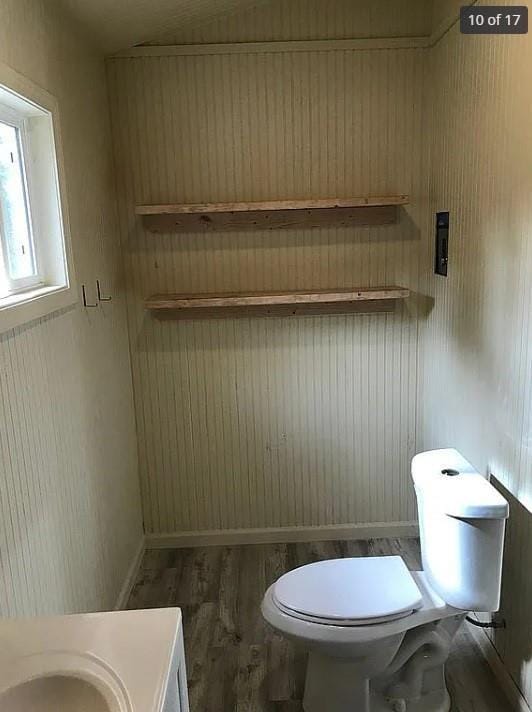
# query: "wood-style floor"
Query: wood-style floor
235,663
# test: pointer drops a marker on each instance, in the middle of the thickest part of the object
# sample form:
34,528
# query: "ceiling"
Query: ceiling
119,24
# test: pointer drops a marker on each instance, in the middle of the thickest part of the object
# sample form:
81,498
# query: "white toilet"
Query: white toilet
378,635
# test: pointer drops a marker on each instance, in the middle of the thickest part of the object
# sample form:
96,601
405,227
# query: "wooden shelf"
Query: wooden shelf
269,215
337,301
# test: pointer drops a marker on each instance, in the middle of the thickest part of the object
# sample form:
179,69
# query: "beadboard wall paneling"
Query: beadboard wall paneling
70,519
271,422
476,346
279,20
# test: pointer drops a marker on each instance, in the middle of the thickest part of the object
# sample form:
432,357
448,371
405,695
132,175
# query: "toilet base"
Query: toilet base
333,684
403,673
438,701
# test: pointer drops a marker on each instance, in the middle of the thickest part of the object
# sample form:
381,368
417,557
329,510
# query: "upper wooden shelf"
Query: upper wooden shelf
325,301
334,212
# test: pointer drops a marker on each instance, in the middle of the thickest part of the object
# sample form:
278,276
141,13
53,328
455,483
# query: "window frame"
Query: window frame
53,287
9,117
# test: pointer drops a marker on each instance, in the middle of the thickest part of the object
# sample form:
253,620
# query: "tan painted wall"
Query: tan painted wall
276,422
476,346
445,10
69,504
279,20
119,24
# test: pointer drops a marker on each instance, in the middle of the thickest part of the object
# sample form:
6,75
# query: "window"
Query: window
19,263
35,274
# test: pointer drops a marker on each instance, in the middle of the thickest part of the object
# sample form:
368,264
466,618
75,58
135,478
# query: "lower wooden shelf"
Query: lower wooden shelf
316,302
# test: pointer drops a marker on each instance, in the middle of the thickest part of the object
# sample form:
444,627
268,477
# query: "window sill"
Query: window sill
18,309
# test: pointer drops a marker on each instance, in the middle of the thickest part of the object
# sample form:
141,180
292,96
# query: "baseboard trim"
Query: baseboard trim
505,680
131,576
275,535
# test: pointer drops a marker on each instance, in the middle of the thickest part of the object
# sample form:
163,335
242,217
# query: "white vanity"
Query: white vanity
124,661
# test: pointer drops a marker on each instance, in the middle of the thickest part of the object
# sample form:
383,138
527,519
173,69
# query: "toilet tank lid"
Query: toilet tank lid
456,488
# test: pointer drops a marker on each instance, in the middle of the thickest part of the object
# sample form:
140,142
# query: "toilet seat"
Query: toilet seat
353,622
349,592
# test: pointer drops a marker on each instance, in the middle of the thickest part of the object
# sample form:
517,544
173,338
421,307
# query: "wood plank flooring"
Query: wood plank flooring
236,663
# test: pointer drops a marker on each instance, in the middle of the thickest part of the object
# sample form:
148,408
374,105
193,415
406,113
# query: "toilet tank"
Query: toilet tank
462,520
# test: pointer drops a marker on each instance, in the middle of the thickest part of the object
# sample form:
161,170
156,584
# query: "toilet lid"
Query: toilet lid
364,589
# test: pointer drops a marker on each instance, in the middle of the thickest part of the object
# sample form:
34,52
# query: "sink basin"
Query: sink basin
49,694
121,661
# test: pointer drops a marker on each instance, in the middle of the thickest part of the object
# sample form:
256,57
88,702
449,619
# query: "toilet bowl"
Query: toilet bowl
347,650
377,634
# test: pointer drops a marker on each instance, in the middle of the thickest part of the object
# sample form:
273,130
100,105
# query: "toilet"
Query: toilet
378,635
